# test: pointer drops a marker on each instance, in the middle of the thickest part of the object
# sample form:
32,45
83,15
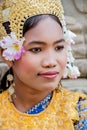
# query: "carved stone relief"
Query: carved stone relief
81,5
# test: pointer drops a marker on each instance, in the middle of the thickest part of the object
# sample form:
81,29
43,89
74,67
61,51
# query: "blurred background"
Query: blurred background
76,19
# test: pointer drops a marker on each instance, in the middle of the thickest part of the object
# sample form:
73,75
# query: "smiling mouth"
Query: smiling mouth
49,75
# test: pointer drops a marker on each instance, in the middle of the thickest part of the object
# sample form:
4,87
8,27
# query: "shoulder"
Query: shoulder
69,100
79,105
75,98
73,95
82,110
3,97
3,94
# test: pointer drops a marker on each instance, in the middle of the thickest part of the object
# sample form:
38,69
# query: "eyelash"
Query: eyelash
59,48
35,50
38,49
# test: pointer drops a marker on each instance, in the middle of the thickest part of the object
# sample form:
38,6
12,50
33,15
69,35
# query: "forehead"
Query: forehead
47,28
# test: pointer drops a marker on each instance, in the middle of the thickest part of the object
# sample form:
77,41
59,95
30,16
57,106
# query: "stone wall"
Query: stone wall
76,18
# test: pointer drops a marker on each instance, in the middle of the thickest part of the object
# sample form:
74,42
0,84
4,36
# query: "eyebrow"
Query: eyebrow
44,43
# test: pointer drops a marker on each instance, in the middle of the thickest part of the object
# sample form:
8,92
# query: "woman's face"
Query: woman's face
43,64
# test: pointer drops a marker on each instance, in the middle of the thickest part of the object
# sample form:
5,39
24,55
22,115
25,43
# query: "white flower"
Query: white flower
13,48
70,58
71,72
69,36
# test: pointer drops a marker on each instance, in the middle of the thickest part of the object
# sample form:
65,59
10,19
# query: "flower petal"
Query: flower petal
13,48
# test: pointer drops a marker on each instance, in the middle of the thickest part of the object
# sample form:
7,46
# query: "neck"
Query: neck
24,97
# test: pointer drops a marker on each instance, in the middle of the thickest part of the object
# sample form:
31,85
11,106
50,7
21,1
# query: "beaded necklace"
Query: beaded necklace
42,105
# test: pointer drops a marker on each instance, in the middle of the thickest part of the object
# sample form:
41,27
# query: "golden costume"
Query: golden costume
61,113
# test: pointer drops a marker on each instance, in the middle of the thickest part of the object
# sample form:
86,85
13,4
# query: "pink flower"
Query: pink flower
13,48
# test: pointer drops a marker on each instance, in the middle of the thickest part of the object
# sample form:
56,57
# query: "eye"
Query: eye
35,50
59,48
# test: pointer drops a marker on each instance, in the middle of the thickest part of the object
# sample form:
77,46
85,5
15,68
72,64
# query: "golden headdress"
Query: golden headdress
16,12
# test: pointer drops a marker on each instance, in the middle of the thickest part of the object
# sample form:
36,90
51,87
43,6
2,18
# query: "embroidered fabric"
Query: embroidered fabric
81,125
82,109
42,105
61,113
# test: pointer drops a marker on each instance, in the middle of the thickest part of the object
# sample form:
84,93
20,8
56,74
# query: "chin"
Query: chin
50,87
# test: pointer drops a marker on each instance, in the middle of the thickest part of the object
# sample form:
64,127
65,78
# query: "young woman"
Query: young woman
33,97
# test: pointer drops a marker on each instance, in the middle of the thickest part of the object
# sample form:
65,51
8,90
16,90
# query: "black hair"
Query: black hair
29,24
4,79
33,21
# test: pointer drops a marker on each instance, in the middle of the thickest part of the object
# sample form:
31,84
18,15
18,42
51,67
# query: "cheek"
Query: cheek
63,61
25,65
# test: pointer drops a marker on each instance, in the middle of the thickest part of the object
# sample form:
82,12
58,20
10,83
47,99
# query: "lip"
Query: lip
49,75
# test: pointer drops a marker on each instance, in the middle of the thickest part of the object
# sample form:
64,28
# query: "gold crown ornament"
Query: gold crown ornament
16,12
13,15
2,30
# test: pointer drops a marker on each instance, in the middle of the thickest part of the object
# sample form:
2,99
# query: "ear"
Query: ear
9,63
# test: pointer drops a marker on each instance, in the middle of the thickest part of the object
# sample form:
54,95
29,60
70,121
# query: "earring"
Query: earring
9,80
11,91
10,85
58,89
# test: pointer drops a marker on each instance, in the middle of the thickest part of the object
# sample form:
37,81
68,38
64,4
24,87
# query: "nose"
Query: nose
49,60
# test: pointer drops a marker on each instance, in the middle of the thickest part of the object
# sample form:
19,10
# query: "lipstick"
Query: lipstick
49,75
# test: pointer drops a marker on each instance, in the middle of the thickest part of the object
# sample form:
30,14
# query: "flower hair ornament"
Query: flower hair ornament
13,48
15,13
